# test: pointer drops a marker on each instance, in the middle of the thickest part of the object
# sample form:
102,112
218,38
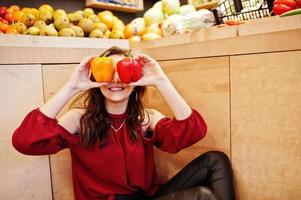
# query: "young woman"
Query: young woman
111,138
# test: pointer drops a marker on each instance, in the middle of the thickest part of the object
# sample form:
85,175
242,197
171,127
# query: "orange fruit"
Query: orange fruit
11,30
3,27
15,7
17,15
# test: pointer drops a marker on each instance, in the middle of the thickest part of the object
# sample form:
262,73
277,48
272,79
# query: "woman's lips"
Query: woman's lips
116,89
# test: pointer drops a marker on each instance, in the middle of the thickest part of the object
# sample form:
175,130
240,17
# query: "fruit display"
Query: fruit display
47,21
165,18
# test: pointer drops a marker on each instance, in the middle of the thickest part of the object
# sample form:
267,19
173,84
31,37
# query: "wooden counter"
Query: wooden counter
244,80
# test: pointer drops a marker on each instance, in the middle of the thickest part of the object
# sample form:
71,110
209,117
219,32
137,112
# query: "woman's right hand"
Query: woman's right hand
79,80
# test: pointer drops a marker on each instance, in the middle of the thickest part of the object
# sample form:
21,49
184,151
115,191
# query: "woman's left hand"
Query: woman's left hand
151,70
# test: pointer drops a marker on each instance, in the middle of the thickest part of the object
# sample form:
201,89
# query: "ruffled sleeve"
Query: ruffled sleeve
40,135
172,135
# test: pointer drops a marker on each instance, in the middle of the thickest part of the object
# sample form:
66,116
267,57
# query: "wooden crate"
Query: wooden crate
137,5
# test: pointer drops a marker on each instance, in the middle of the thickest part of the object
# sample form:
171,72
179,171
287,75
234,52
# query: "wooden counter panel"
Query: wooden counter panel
204,84
25,49
265,125
212,33
21,175
41,55
54,77
260,43
270,24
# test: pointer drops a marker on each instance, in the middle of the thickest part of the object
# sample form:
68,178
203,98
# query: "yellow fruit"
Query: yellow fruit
107,12
46,16
61,22
150,36
96,33
100,26
67,32
154,28
28,19
117,34
86,24
48,31
107,34
46,7
94,18
88,12
32,31
107,18
35,12
59,12
26,10
119,25
132,29
74,17
78,31
135,38
20,27
39,24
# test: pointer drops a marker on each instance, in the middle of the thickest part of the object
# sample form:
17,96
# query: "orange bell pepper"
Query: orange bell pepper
102,69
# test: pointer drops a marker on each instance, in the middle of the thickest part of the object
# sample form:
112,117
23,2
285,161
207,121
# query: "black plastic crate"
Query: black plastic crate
243,9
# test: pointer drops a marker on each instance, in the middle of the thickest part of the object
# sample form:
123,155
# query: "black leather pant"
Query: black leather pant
208,177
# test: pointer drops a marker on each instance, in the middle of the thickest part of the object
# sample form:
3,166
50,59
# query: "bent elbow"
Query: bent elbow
20,144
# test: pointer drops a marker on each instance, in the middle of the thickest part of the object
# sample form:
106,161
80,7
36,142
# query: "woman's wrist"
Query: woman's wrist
162,81
70,89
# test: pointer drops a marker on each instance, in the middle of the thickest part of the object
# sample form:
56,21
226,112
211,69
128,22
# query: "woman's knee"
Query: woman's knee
215,160
218,156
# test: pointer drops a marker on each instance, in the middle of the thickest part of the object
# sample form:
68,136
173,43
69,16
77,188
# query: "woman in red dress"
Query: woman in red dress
111,138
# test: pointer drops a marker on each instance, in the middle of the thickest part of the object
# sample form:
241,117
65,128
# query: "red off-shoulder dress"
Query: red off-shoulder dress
121,166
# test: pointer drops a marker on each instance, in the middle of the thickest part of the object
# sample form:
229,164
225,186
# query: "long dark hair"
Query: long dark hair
95,123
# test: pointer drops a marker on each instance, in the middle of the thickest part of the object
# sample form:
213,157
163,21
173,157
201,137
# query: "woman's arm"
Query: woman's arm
40,133
78,82
153,75
186,128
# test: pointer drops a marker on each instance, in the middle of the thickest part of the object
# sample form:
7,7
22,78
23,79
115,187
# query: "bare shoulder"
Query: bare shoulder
153,116
70,120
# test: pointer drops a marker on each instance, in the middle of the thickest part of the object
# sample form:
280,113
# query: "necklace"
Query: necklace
117,129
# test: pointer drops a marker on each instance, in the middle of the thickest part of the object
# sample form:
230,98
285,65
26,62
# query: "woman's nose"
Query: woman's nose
116,77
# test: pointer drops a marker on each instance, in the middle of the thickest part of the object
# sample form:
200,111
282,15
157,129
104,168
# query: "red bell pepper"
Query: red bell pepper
129,70
282,6
298,3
